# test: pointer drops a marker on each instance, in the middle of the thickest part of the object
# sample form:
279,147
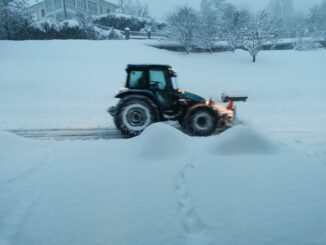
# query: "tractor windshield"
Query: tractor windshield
175,83
173,76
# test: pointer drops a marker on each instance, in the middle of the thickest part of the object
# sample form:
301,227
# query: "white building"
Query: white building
68,9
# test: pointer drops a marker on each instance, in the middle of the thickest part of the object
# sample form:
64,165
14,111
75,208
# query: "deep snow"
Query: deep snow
128,192
261,182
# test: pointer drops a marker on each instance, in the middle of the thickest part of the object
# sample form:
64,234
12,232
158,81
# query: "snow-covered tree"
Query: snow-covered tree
183,26
235,24
13,18
133,7
210,23
281,13
258,32
317,18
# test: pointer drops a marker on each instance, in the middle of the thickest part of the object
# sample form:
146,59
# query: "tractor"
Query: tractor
151,94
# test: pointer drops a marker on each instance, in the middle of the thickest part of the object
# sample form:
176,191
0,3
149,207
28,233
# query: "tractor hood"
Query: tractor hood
193,97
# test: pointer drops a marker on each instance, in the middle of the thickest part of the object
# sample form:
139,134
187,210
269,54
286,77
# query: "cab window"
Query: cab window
137,79
157,78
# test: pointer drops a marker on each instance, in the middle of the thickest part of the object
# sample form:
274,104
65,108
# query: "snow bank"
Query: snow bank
243,140
161,140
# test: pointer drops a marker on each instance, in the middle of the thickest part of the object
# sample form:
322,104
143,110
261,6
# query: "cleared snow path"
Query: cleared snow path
70,133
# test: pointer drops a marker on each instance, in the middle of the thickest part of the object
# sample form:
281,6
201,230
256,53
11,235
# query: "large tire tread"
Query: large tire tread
130,100
188,124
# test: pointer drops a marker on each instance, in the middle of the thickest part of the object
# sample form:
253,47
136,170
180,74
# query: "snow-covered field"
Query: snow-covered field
258,183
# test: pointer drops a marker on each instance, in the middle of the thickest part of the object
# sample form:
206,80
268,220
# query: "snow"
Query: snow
261,182
70,84
108,192
69,23
161,141
244,140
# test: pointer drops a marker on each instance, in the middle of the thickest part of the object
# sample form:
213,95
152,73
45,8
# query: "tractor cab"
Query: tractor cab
156,81
159,83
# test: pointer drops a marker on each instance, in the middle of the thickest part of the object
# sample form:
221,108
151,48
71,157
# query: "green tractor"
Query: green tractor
151,95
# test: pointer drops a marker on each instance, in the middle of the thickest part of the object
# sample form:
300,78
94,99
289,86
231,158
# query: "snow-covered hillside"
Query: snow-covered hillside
262,182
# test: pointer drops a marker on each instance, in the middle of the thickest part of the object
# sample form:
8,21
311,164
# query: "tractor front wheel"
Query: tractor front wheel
201,120
134,114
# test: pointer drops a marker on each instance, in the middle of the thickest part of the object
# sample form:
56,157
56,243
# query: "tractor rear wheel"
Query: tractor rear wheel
134,114
201,120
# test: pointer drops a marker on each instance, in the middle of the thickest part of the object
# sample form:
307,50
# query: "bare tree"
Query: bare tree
182,26
282,14
316,20
210,23
258,32
235,24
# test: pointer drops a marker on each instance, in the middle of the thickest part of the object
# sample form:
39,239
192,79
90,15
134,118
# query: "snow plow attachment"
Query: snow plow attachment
226,98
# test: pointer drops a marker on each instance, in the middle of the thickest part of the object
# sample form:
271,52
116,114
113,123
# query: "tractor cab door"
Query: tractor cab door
160,85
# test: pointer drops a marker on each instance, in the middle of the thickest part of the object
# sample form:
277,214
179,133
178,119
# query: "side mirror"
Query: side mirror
172,73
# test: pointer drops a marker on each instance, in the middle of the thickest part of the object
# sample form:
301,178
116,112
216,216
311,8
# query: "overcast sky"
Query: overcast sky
159,8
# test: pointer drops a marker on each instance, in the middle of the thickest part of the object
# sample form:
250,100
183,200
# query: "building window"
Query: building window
101,10
42,12
48,5
108,11
71,3
81,4
92,8
57,4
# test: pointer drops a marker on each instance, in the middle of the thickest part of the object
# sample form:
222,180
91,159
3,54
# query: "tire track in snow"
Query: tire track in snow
70,133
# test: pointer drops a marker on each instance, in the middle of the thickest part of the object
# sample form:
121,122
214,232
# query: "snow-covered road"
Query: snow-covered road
70,133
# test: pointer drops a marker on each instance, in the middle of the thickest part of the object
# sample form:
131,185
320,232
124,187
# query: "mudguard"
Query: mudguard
124,92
